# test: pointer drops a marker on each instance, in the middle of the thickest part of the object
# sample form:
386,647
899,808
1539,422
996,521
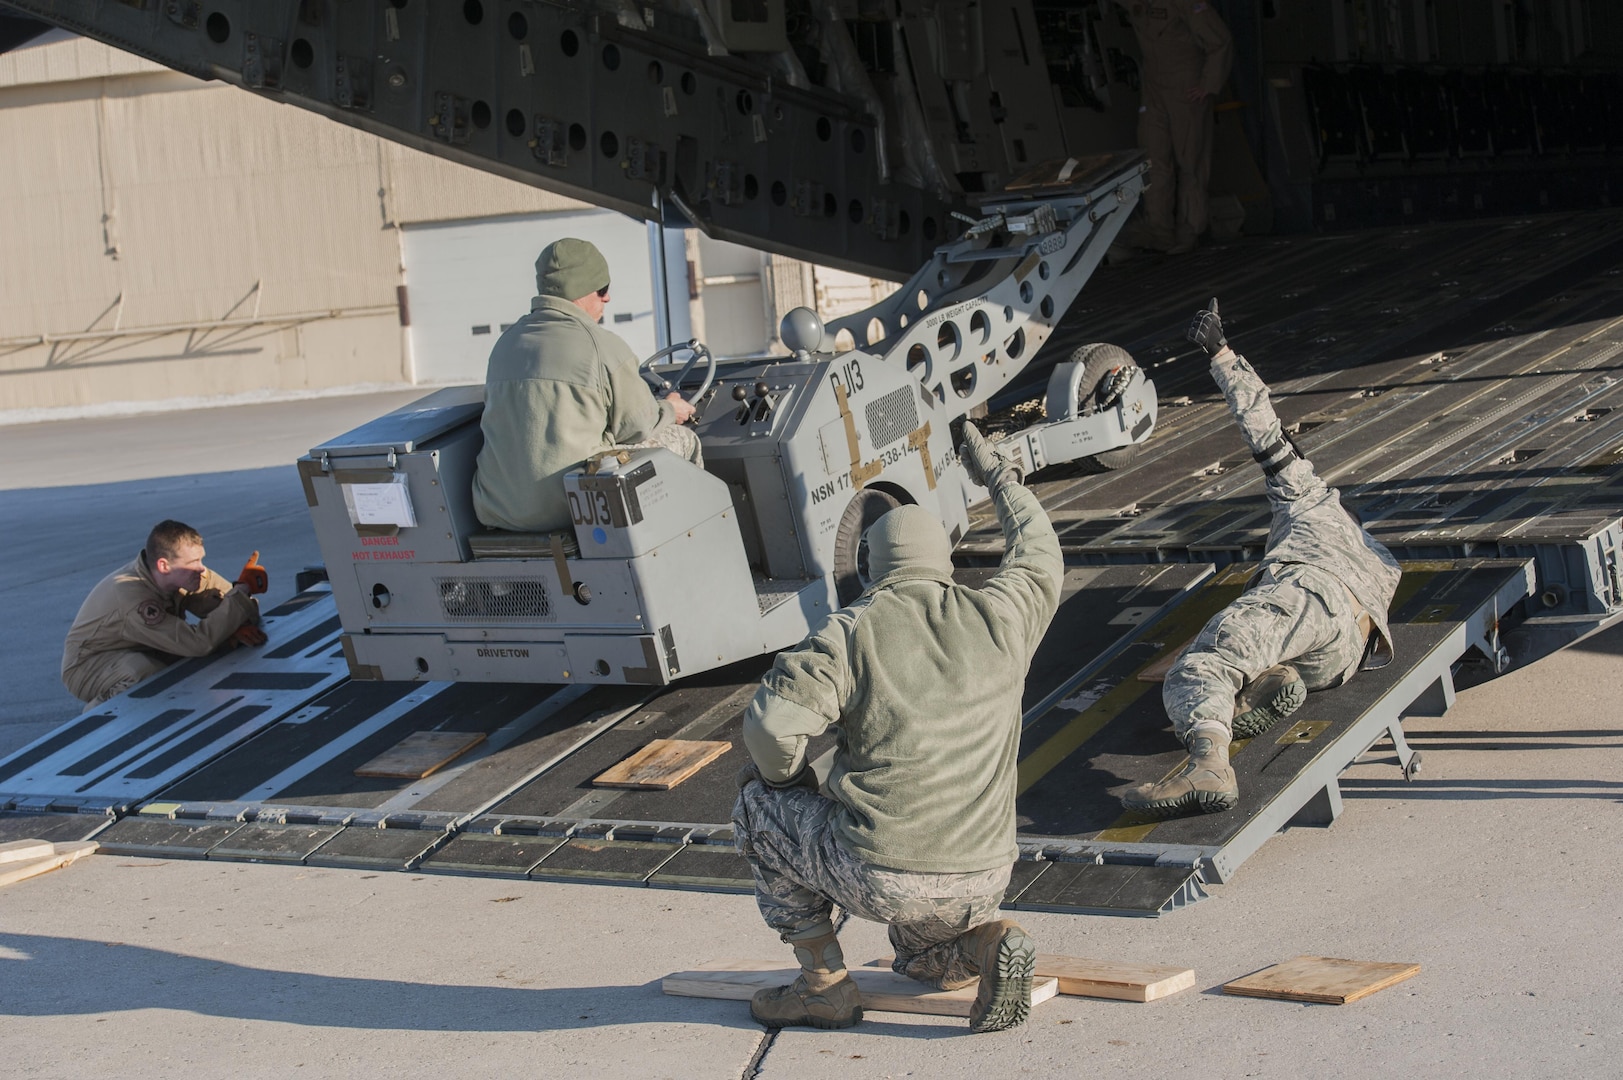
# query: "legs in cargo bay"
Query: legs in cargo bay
943,927
1313,615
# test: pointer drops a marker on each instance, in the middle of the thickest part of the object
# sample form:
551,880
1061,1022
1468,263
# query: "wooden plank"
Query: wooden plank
420,754
1321,979
882,990
1081,977
1085,977
662,764
62,855
18,850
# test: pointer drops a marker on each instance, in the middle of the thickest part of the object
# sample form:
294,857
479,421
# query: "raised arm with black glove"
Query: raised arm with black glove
1206,330
984,464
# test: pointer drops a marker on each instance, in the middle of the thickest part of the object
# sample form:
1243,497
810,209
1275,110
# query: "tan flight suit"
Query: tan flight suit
128,628
1184,44
560,389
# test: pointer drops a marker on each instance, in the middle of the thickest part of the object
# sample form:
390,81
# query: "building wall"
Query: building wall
165,240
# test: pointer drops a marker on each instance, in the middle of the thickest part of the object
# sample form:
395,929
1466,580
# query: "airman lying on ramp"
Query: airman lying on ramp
1312,617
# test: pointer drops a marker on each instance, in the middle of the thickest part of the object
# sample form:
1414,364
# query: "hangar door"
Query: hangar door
466,281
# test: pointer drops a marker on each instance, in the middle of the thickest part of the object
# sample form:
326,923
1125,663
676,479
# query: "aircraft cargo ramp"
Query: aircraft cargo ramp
1458,383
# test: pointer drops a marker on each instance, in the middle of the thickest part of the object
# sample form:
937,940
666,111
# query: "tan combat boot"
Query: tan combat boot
1268,699
1006,957
1206,784
824,996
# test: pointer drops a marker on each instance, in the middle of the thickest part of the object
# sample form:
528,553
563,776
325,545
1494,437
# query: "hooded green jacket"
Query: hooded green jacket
558,390
923,679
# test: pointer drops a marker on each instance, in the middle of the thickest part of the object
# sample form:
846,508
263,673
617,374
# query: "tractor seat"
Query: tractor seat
500,544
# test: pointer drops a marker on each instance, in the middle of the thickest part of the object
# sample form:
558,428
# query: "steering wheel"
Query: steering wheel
662,386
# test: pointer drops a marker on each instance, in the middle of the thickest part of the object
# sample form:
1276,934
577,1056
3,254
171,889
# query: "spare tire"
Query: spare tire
1098,360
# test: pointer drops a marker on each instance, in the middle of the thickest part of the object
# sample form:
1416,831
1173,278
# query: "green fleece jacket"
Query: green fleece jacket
923,678
558,390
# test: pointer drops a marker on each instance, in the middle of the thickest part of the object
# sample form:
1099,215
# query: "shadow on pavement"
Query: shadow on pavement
47,981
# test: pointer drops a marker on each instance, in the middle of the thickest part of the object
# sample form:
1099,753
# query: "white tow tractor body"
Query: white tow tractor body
670,569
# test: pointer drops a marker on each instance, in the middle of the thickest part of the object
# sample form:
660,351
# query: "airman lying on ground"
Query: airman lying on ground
1314,614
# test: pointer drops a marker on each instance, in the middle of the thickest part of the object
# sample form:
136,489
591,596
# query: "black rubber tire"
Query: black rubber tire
1099,359
850,557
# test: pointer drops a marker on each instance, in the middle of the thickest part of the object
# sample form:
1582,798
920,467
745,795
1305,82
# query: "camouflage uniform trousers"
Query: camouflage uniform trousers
802,871
1296,613
679,439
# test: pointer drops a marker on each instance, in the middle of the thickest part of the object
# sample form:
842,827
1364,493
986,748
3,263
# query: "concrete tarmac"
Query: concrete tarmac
1494,870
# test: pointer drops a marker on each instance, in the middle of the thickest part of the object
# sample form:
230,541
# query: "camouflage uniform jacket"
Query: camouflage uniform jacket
558,390
128,611
1309,523
923,679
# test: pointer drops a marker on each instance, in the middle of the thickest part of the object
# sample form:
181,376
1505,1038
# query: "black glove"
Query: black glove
1207,330
984,464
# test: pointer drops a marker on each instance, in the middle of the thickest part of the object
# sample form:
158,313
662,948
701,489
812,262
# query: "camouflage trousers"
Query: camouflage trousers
1296,614
679,439
802,871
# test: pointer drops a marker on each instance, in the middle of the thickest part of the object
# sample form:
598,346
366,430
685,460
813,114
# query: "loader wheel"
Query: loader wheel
1098,360
850,553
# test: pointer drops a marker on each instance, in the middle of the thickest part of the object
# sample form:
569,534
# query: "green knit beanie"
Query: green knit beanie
908,538
570,269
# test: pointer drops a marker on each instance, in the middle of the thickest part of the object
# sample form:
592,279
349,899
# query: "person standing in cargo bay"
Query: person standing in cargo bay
133,623
1311,618
560,389
1187,52
921,678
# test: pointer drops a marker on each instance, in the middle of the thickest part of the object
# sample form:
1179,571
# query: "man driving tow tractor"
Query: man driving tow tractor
561,389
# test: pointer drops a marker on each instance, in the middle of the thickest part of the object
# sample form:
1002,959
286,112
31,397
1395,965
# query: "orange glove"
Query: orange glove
256,578
248,634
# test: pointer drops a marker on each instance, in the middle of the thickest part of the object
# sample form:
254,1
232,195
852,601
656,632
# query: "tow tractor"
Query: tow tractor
671,569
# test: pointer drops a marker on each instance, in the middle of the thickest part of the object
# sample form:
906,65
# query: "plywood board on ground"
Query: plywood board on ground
882,990
421,754
18,850
1321,979
61,855
1081,977
1085,977
662,764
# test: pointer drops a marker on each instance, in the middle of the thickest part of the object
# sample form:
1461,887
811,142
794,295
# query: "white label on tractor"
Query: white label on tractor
380,504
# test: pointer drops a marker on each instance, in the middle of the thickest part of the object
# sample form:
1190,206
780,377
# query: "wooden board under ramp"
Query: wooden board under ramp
61,855
19,850
662,764
1081,977
421,754
1321,979
882,989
